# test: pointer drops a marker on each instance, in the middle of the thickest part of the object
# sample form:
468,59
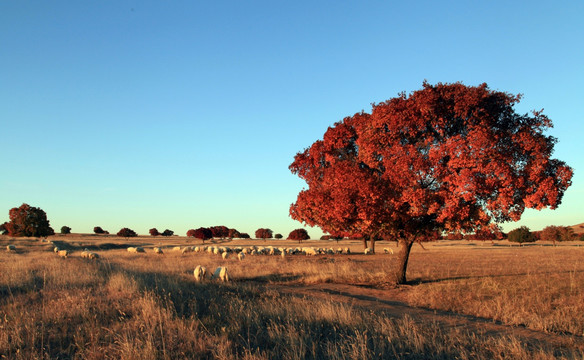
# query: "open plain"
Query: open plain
464,299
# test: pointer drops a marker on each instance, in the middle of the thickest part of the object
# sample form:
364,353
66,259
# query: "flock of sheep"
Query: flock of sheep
200,272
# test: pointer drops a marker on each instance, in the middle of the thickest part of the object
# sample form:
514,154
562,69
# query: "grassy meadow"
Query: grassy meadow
148,306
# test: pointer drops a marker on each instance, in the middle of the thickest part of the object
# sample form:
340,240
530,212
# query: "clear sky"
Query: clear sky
181,114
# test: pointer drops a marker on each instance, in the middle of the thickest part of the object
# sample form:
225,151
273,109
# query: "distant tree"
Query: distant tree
298,234
447,157
325,237
127,233
28,221
3,229
98,230
263,233
244,236
154,232
191,233
521,235
220,231
278,236
65,230
233,234
557,233
203,234
167,233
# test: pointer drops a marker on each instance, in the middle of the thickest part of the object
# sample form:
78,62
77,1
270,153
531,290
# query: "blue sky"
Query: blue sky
183,114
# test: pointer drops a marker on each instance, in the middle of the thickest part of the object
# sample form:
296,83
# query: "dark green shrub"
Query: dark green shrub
65,230
521,235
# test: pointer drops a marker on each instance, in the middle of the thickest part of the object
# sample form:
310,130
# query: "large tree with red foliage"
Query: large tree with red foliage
201,233
298,234
27,220
446,158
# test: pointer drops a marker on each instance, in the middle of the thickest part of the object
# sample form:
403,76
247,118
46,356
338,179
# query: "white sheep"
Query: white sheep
221,273
176,248
63,253
200,273
347,250
89,255
368,251
56,249
186,250
225,255
241,256
388,250
10,248
158,250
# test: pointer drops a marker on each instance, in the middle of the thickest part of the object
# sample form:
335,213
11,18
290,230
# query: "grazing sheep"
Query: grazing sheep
241,256
176,248
158,250
339,250
221,274
309,251
63,253
197,249
347,250
388,250
140,249
56,249
89,255
186,250
136,249
225,255
200,273
368,251
10,248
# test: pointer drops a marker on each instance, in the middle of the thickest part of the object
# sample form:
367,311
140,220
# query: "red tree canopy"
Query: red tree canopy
262,233
154,232
201,233
298,234
220,231
448,157
27,220
127,233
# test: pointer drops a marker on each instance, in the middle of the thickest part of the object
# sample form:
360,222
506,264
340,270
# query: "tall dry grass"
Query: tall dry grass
146,306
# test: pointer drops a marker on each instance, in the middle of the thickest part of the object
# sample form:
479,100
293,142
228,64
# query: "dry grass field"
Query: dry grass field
465,300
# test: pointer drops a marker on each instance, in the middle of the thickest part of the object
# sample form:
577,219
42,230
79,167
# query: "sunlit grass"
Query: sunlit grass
147,306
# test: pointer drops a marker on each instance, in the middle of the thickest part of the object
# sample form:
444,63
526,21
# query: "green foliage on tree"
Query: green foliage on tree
521,235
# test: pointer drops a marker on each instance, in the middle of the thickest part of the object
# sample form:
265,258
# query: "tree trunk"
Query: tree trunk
405,246
364,243
372,244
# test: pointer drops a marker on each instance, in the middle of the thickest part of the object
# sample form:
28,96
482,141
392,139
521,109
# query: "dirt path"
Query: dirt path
391,302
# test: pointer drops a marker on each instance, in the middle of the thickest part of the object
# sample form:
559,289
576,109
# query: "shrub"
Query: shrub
298,234
154,232
263,233
244,236
28,221
557,233
278,236
65,230
220,231
98,230
201,233
234,234
127,233
521,235
167,233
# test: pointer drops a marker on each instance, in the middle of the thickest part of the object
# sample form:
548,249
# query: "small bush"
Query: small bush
127,233
521,235
154,232
167,233
278,236
65,230
98,230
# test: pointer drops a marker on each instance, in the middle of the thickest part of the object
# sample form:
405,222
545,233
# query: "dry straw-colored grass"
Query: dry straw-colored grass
147,306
